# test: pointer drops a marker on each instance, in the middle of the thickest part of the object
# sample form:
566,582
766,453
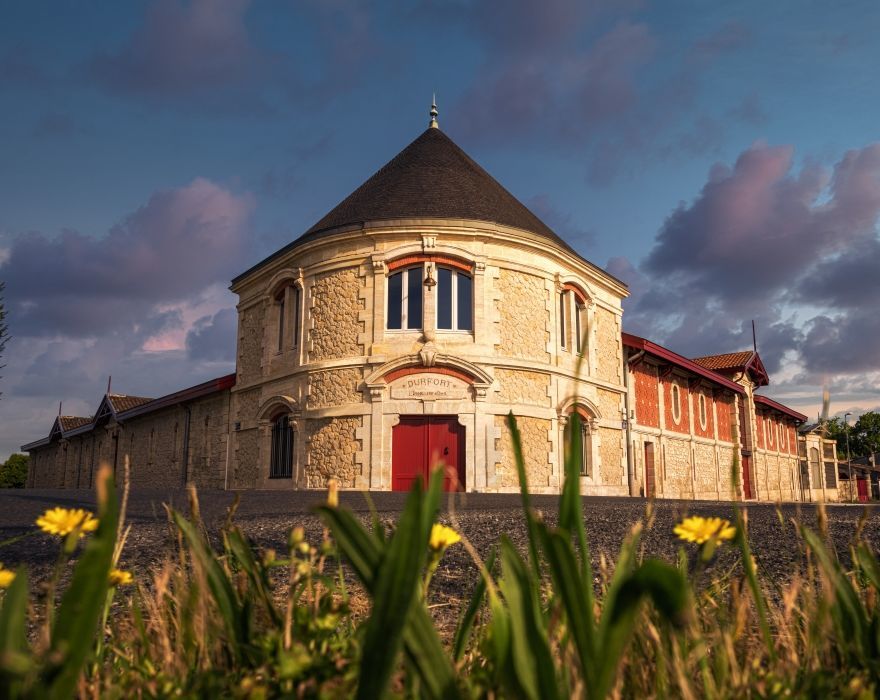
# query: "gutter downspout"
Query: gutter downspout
188,410
630,467
228,440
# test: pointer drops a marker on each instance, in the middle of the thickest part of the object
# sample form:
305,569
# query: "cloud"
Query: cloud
201,55
177,244
212,338
551,86
756,228
795,249
561,222
844,343
181,49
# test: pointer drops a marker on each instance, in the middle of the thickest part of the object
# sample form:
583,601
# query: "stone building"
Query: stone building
401,329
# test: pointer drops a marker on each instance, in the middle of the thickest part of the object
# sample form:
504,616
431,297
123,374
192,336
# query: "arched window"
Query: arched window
455,300
584,456
573,319
287,310
405,299
703,414
281,457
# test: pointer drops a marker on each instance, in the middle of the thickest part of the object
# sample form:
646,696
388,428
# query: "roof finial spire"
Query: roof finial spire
433,124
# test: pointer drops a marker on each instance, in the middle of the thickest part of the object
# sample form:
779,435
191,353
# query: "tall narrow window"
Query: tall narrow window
281,458
454,300
281,313
580,324
703,415
405,299
584,456
297,303
563,320
815,468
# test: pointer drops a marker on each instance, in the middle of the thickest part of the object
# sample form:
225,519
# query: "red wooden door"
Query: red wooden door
862,485
649,469
409,440
419,443
747,477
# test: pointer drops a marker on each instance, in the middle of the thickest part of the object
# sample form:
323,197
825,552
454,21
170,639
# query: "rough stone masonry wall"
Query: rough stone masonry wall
247,459
609,404
519,387
677,469
725,471
534,433
611,456
154,445
523,313
247,405
250,343
208,433
332,451
334,388
335,307
608,361
704,470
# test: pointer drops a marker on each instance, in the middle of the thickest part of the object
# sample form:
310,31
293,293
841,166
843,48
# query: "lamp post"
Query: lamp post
848,459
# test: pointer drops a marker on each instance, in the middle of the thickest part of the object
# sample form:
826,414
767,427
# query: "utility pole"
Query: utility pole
848,458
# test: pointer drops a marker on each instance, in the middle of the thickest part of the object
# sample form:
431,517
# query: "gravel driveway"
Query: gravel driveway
267,516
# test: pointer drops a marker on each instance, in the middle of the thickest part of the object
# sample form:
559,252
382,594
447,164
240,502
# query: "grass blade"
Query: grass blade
395,589
518,458
233,616
532,662
82,604
463,633
572,591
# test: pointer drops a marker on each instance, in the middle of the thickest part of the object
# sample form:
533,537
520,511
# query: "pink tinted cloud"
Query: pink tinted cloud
176,245
760,240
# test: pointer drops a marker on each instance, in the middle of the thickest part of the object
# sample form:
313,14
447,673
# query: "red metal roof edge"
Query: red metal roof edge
194,392
780,407
639,343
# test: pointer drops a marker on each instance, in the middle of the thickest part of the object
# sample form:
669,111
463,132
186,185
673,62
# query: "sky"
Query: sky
723,159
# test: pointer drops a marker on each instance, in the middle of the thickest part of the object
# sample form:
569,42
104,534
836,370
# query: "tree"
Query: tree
865,434
14,471
836,430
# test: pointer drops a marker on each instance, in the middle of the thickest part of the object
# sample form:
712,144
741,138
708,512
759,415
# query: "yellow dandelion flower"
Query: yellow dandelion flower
697,529
118,577
442,537
63,521
6,577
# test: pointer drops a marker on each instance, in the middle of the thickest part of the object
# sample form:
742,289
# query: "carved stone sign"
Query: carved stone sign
429,387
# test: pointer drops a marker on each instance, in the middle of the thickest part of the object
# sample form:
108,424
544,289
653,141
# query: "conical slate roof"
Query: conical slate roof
432,178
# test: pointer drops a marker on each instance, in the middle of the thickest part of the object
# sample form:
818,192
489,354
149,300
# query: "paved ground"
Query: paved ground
267,516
